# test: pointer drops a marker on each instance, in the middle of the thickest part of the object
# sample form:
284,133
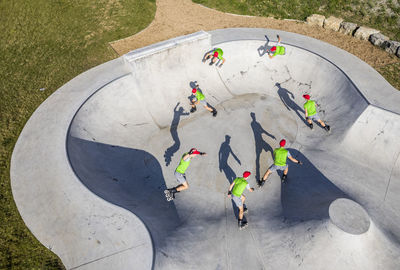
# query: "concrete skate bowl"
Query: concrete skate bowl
102,149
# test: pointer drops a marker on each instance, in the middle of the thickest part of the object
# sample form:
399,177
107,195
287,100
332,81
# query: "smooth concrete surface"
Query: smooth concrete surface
89,169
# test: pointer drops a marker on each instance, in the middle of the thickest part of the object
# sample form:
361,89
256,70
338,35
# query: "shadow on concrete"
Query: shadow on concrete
126,177
307,193
174,134
260,144
289,102
263,49
225,151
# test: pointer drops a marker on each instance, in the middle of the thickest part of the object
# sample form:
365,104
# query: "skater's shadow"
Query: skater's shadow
260,144
129,178
263,49
287,99
210,51
178,112
307,193
225,151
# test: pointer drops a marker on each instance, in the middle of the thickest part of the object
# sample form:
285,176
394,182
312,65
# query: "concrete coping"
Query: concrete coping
164,45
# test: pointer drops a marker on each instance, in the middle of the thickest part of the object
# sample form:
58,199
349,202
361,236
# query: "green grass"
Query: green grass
44,44
382,15
391,73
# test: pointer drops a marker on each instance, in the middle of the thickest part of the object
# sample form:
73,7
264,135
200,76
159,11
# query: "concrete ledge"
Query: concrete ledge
164,45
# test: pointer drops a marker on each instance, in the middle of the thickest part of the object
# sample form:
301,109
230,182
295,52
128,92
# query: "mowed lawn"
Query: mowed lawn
383,15
43,45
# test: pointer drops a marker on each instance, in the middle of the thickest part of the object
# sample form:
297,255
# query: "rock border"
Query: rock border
360,32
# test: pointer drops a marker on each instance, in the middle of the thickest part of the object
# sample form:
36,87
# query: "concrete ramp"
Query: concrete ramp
90,167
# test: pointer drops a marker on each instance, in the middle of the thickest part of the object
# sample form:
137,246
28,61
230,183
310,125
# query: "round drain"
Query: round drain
349,216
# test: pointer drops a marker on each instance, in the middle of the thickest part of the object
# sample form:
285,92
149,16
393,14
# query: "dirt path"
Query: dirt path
180,17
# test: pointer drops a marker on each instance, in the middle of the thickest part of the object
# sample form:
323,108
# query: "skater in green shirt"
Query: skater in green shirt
200,98
215,55
180,173
311,113
275,50
236,190
280,157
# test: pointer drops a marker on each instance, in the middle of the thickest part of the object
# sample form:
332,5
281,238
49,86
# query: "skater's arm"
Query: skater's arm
295,160
230,189
249,188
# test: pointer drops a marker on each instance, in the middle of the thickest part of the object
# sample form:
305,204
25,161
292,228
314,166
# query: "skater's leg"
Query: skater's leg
326,127
285,174
193,104
267,173
265,177
321,123
243,198
214,111
182,187
241,212
208,108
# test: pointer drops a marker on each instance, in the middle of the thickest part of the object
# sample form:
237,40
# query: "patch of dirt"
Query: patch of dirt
181,17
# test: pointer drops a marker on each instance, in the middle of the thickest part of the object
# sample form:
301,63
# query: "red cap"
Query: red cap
306,97
282,142
215,54
194,151
246,174
194,90
273,49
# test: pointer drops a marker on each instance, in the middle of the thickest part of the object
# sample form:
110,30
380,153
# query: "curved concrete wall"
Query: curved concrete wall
122,116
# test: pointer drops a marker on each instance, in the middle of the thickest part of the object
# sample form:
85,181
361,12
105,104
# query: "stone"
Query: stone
378,39
391,46
363,33
316,19
332,23
348,28
398,52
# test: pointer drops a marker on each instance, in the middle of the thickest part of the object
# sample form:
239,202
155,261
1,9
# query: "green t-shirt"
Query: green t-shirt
280,156
220,53
239,187
310,107
199,95
280,50
183,165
